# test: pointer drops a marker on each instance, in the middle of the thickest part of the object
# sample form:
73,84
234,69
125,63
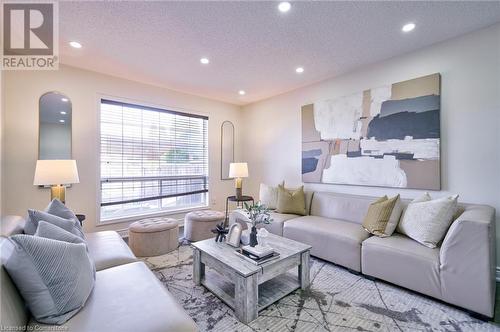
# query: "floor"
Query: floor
331,305
496,318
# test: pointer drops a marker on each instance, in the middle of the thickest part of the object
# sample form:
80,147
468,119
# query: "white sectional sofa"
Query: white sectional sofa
127,296
461,271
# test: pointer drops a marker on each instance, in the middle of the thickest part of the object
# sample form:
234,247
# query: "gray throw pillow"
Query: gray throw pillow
35,216
50,231
55,278
57,208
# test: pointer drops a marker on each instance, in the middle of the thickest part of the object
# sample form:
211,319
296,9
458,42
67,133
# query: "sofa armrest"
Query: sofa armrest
11,225
467,259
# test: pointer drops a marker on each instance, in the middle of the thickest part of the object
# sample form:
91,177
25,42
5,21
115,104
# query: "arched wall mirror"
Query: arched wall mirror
227,148
54,126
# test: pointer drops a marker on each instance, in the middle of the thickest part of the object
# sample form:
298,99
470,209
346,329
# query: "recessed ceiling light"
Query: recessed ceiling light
408,27
64,99
284,6
299,70
242,92
204,61
63,112
61,121
75,44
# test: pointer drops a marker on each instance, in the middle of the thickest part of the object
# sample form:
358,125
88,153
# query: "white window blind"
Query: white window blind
152,160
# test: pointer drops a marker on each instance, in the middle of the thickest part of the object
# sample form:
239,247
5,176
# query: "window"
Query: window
152,160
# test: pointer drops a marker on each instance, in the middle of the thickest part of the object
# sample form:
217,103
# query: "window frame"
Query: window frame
154,107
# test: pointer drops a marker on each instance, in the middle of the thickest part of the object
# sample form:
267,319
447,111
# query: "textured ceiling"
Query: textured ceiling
251,45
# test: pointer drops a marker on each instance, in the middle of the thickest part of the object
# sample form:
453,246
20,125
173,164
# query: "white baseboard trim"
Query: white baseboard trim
497,273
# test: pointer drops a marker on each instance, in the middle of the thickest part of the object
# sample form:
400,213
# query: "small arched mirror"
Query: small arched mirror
54,126
227,148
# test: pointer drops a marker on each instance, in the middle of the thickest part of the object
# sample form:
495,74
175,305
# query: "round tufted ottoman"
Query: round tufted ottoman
153,236
197,224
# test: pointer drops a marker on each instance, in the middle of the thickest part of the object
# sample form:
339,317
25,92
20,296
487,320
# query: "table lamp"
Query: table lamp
238,171
57,174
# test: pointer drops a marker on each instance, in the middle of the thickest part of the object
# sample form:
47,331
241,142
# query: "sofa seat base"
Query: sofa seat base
333,240
128,298
403,262
276,226
108,249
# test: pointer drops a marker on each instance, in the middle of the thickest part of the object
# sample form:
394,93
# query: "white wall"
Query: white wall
470,119
84,88
2,107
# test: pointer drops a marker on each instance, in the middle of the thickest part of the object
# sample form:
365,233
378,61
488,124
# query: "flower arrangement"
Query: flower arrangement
258,213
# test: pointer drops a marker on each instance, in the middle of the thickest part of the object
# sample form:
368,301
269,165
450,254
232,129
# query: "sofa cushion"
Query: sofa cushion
276,226
108,249
402,261
340,206
129,298
55,278
334,240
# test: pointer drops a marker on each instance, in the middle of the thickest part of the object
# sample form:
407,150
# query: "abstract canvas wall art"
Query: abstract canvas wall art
387,136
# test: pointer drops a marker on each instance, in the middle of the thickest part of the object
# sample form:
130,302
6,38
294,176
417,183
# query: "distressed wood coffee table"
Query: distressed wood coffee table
245,287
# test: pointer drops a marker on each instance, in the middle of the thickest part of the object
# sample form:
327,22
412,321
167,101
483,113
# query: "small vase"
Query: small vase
253,237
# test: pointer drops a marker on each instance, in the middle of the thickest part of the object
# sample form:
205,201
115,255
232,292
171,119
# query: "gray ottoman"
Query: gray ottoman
153,236
198,224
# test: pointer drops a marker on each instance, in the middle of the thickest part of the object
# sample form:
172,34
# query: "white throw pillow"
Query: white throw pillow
428,221
425,197
268,195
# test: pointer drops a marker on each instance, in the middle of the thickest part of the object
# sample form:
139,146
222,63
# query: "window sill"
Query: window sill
151,215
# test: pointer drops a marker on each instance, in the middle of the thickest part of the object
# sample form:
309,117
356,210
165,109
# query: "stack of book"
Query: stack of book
258,254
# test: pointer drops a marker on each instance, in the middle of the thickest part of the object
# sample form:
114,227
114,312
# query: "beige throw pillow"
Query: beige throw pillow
393,222
291,201
428,221
379,214
268,195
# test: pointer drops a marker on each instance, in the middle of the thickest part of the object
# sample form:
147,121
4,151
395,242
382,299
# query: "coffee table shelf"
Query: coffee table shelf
276,289
269,291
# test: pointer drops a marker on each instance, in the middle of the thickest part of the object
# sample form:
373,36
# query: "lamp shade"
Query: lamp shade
238,170
54,172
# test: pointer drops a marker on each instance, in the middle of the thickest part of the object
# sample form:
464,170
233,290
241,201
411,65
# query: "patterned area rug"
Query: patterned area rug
337,301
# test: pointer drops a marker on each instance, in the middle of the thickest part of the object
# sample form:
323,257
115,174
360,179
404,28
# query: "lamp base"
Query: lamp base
238,184
58,192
